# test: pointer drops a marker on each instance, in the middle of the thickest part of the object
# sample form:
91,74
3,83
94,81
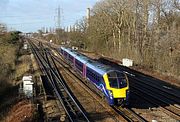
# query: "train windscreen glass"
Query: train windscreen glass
117,80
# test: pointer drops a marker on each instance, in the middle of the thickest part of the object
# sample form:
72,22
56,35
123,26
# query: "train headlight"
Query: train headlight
110,93
127,92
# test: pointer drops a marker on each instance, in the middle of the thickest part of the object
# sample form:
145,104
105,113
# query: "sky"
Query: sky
31,15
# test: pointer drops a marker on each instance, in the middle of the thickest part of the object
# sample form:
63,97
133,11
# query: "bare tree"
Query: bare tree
146,31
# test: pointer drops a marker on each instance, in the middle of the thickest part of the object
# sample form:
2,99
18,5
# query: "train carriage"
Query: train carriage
112,83
64,52
80,64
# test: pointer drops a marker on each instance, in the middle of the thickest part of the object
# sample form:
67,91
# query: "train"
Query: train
112,83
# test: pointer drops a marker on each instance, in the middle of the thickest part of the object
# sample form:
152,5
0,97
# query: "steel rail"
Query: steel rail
119,110
146,79
158,95
44,70
168,95
128,114
65,85
139,92
57,93
55,88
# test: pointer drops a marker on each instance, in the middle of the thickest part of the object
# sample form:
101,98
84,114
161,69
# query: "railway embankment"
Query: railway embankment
15,62
9,48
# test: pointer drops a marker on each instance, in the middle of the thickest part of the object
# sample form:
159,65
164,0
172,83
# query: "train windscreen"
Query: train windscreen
117,79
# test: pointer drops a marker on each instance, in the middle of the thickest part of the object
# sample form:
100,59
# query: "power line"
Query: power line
59,17
59,11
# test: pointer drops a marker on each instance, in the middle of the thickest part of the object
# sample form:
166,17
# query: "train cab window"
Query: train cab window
117,80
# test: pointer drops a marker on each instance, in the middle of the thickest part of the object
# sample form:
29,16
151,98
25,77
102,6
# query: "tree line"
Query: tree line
9,48
147,31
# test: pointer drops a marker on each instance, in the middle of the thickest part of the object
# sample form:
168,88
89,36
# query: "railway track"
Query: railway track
164,108
171,96
128,114
164,97
157,93
71,73
156,98
72,107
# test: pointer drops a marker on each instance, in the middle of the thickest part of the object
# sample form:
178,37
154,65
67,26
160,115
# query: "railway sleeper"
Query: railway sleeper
62,90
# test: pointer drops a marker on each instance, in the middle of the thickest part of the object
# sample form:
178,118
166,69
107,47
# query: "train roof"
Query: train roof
82,58
78,56
99,67
65,49
71,52
95,65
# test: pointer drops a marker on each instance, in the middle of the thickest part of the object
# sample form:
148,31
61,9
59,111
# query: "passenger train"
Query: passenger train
113,84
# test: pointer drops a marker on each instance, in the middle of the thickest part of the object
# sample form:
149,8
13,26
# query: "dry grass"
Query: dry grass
8,53
22,111
8,99
22,67
34,63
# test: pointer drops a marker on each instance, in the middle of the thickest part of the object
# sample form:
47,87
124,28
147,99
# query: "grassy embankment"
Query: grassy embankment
10,45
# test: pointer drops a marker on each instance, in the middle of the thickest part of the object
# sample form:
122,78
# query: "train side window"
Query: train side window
96,78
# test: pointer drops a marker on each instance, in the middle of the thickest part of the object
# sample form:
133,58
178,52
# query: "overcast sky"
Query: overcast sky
31,15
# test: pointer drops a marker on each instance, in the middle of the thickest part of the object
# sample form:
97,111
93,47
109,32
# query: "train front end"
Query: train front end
117,86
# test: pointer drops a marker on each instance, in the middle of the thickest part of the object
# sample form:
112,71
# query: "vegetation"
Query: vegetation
146,31
143,30
9,46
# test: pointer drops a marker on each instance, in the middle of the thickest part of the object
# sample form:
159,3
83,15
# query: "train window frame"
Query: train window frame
79,65
71,58
117,79
93,75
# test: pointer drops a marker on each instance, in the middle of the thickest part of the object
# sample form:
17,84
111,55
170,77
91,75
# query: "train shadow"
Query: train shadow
139,103
99,116
138,97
